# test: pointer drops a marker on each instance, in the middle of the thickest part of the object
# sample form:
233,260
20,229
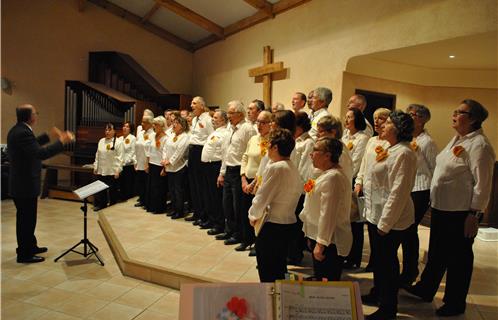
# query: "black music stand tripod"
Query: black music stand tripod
88,247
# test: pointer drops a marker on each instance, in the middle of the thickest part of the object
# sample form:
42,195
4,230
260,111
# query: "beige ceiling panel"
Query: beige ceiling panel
221,12
140,8
177,25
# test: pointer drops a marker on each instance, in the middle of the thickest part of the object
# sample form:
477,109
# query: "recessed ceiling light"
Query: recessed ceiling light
452,57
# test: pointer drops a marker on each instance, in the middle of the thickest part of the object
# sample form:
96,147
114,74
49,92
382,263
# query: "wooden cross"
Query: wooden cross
266,71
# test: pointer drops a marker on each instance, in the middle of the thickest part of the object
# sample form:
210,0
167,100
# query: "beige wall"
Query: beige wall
316,40
47,42
440,100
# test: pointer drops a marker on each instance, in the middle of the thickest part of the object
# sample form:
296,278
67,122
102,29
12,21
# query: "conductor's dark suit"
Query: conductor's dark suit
25,153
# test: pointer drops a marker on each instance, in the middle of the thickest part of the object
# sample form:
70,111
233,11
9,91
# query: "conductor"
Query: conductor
25,154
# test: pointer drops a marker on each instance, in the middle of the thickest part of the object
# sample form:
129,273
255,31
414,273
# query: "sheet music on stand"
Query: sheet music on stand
90,189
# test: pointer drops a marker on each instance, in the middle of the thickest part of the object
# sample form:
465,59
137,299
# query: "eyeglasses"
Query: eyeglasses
460,112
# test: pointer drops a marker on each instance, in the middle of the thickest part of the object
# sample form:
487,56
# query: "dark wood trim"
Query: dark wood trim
262,5
151,12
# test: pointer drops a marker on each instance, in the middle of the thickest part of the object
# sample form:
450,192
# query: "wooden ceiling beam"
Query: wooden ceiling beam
193,17
151,12
137,20
262,5
258,17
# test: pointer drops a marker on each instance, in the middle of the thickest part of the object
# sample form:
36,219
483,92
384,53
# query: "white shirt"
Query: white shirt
169,131
302,156
463,182
392,182
325,214
236,144
253,155
108,161
201,128
214,148
426,151
175,151
154,149
143,138
279,192
314,117
128,143
356,144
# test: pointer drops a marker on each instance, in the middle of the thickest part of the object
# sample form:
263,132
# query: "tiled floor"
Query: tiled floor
75,288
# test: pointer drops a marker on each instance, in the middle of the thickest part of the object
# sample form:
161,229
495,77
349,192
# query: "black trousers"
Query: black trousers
232,198
176,187
109,196
271,251
331,266
386,269
411,244
213,197
157,190
372,231
247,230
127,182
451,252
297,242
141,183
25,225
356,252
196,181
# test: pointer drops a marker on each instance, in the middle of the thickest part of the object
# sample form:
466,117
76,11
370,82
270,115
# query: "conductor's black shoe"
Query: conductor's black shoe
222,236
31,259
381,315
370,300
231,241
448,310
215,231
415,291
38,250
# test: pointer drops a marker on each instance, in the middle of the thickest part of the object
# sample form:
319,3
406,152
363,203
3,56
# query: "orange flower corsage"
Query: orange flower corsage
309,186
263,145
414,145
175,138
457,150
146,137
213,138
381,156
158,144
350,145
378,149
127,140
108,146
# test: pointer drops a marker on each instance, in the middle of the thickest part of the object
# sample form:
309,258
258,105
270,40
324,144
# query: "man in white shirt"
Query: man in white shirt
253,110
320,101
201,128
211,157
358,101
229,177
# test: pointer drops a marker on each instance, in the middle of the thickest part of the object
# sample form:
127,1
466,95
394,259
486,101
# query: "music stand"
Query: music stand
83,193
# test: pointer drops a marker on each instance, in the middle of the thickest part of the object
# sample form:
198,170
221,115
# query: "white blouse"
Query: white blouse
279,192
175,151
154,149
214,148
314,117
392,182
426,151
108,160
128,143
356,144
325,214
463,182
302,156
251,159
143,139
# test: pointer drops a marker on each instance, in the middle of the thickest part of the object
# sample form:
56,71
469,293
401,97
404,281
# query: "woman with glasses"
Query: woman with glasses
127,177
108,166
174,161
460,192
326,209
257,148
392,176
